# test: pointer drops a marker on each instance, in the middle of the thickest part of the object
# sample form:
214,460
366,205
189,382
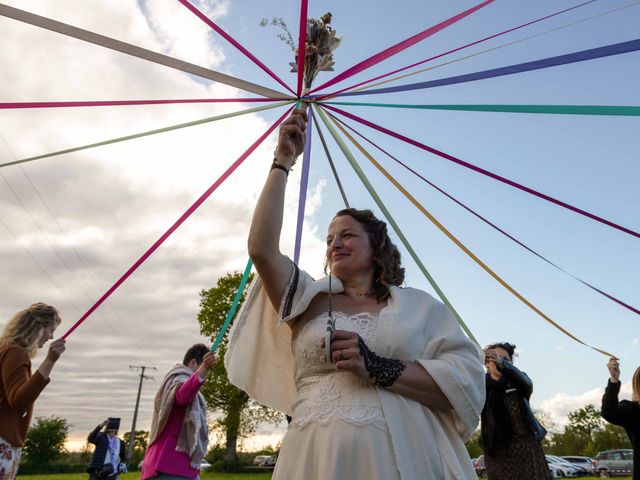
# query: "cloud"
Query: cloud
559,406
73,224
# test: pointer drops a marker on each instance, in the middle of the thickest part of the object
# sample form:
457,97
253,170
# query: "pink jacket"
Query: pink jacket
161,456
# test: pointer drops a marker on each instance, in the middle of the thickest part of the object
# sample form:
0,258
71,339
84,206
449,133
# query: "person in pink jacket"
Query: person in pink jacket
178,440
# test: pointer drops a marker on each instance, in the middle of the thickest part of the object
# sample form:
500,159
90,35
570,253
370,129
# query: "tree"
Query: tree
45,440
240,415
611,437
473,445
140,442
587,421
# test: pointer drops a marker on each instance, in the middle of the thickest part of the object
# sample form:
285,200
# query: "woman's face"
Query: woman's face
46,335
349,251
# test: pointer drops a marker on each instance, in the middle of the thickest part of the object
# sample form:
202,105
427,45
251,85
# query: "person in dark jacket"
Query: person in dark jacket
624,413
510,434
108,456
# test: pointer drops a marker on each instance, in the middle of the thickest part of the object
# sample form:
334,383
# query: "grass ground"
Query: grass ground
136,476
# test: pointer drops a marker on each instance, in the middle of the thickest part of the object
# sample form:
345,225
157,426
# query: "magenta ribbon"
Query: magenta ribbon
580,56
491,224
114,103
177,224
302,45
399,47
233,42
456,49
304,183
477,169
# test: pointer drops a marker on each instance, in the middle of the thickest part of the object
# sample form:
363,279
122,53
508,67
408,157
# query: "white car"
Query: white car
560,467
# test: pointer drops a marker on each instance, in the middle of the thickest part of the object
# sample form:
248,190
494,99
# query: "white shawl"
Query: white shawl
414,327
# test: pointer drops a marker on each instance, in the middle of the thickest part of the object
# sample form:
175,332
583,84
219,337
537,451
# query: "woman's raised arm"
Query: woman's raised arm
264,237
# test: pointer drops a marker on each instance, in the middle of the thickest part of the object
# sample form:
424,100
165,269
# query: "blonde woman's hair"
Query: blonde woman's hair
25,327
635,386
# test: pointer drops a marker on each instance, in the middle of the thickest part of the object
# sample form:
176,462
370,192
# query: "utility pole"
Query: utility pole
132,435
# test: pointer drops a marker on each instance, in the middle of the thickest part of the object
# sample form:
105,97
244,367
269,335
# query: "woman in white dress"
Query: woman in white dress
404,387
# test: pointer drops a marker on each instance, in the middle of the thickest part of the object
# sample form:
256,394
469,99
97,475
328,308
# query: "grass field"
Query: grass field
136,476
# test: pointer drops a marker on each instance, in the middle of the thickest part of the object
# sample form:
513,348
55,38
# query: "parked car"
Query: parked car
584,462
555,471
582,471
613,463
564,467
479,466
260,459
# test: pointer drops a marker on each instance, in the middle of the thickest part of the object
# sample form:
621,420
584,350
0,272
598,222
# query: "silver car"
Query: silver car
614,462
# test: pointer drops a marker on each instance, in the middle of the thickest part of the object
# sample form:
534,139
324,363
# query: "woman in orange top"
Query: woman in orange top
20,340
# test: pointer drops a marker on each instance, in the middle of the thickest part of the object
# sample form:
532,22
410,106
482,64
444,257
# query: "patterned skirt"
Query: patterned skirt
523,458
9,460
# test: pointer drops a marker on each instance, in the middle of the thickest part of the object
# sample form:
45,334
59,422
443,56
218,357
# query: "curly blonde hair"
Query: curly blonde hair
386,256
635,386
25,327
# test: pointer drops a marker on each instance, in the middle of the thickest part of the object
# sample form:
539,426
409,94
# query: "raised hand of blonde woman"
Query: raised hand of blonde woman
614,370
291,139
56,349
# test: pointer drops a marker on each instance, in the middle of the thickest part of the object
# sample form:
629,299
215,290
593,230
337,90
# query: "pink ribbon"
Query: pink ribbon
455,50
233,42
177,224
399,47
302,44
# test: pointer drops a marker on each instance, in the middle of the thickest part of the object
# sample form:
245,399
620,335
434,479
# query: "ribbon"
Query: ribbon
491,224
302,44
392,222
302,198
580,56
233,42
113,44
177,224
399,47
460,245
372,85
475,168
631,111
456,49
119,103
330,160
234,307
144,134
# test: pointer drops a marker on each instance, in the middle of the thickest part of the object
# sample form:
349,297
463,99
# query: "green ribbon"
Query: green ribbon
363,178
150,132
620,110
234,307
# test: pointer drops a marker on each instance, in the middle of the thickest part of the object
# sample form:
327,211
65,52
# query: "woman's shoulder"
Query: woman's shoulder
14,353
415,295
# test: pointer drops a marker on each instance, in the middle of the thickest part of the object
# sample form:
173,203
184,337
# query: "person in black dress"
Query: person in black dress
510,434
624,413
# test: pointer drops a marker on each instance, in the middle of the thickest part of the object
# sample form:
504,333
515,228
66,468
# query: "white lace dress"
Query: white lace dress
338,429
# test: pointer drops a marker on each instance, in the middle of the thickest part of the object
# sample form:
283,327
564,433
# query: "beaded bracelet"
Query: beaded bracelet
383,371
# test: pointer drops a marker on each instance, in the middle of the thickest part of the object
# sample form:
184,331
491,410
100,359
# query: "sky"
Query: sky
71,225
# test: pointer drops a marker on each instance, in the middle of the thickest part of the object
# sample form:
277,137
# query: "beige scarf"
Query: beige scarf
194,433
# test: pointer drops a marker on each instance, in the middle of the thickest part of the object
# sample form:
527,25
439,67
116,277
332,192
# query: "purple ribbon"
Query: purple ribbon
491,224
475,168
581,56
304,182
